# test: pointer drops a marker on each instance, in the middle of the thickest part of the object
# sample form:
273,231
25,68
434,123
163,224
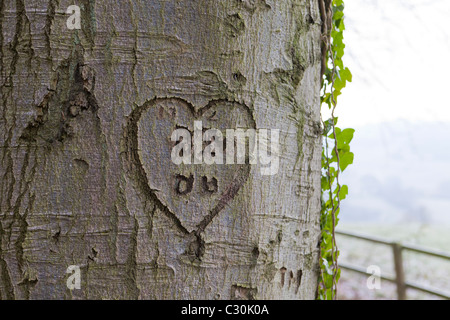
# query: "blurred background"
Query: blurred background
399,183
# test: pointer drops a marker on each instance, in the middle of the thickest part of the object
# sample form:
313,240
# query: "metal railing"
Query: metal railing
399,278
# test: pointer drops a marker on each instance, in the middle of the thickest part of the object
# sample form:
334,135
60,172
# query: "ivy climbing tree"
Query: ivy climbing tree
336,154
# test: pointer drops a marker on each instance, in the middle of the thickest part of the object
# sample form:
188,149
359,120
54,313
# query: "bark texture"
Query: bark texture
77,171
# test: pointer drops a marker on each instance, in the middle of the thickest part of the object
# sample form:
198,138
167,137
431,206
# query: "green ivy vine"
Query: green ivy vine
336,155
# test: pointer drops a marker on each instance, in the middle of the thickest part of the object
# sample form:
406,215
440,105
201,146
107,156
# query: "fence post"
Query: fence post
399,273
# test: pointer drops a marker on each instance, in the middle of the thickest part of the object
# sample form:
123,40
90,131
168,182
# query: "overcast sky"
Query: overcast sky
398,52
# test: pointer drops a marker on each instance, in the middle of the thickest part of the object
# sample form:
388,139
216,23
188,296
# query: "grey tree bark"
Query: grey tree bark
78,170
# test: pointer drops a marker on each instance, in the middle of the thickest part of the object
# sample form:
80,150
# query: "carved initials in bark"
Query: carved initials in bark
193,193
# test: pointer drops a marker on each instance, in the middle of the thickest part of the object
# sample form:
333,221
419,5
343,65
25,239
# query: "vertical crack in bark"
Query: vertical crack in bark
21,42
326,14
23,228
283,275
23,33
135,50
8,292
89,21
114,220
2,53
24,188
51,10
22,26
299,280
150,214
131,264
20,8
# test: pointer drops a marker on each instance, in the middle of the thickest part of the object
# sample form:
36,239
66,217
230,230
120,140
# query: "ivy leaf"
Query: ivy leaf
345,160
343,192
344,138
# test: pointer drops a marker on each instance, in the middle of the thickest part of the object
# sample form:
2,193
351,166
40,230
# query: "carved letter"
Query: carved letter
210,186
184,184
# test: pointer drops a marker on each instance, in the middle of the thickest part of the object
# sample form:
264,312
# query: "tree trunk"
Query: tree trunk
84,117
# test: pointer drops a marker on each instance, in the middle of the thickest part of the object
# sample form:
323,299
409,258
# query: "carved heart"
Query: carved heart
194,193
